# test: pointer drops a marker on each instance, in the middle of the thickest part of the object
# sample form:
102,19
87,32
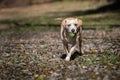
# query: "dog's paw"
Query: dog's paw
67,58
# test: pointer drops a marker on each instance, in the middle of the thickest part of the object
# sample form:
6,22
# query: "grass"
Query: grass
108,18
103,59
103,19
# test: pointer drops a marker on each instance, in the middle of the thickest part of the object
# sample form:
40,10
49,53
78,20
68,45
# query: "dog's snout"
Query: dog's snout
73,30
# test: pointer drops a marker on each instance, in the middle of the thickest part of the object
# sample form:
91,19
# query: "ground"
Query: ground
37,55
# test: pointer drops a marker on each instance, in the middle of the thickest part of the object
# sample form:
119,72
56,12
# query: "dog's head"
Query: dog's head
72,24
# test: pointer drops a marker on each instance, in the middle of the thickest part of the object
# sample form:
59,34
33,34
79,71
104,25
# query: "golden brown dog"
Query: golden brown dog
71,30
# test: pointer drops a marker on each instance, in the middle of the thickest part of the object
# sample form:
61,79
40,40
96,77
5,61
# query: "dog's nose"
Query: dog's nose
73,30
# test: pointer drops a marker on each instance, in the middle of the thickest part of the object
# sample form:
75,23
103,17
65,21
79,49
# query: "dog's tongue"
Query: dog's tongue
71,34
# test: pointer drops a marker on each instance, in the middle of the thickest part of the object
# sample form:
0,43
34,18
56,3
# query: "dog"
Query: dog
71,26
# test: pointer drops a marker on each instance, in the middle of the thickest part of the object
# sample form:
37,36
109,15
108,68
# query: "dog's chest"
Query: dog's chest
71,40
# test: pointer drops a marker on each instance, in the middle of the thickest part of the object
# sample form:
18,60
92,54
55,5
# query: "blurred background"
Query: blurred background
14,13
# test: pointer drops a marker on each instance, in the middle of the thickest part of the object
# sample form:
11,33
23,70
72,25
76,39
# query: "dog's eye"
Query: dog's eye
69,25
75,24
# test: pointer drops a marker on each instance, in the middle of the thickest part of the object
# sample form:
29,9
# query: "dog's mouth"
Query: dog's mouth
71,34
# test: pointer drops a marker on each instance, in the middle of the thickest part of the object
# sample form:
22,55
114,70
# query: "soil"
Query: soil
37,56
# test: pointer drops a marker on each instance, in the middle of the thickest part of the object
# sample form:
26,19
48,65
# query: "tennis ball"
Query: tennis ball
71,34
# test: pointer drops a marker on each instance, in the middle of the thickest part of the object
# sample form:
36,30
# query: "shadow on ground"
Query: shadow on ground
106,8
75,55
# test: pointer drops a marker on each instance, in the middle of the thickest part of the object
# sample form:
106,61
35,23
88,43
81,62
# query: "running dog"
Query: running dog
71,33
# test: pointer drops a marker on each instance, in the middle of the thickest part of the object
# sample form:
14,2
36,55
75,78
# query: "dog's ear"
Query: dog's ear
63,24
79,23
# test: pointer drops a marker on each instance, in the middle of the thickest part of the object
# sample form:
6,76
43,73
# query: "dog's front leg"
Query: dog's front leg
80,45
80,40
72,50
65,47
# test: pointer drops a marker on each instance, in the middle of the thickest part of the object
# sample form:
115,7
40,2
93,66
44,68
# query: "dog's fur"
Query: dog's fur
73,25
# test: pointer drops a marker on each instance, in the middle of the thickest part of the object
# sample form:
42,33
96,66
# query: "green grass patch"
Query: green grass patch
107,58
